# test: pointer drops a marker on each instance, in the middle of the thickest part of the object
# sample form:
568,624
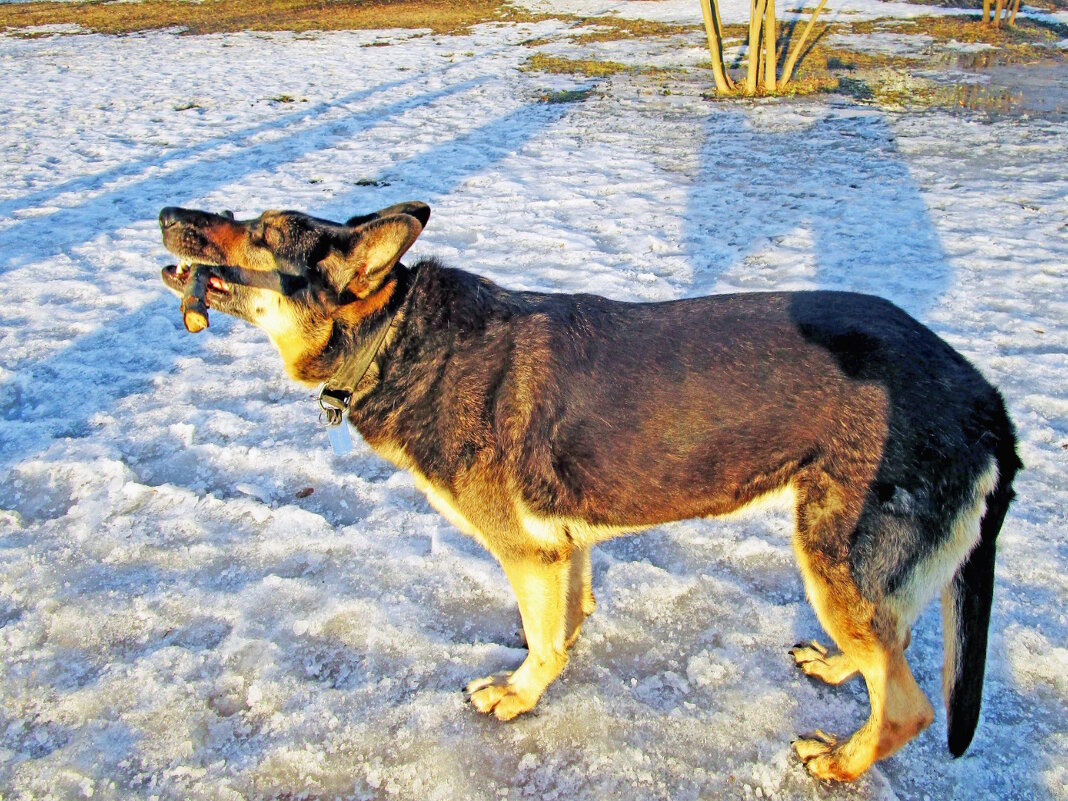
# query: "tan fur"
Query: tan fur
580,601
781,499
359,309
937,570
553,533
550,574
293,336
900,711
237,249
541,590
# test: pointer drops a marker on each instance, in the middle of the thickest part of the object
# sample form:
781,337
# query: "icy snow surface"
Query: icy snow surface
176,622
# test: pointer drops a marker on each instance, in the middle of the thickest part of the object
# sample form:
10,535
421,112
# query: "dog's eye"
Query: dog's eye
257,234
272,236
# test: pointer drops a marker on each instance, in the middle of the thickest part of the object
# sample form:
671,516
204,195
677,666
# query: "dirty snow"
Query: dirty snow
180,619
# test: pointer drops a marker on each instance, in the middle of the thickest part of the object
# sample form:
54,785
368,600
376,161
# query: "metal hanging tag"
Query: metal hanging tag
340,439
334,404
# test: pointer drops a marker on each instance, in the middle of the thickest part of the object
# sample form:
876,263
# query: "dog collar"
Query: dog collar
337,392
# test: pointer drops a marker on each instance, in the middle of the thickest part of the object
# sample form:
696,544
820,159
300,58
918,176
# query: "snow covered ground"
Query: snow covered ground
181,619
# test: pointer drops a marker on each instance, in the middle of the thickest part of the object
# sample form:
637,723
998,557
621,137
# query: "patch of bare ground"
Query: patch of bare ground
222,16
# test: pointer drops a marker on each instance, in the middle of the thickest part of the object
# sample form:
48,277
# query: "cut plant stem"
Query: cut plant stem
715,49
770,62
791,62
760,53
756,19
719,31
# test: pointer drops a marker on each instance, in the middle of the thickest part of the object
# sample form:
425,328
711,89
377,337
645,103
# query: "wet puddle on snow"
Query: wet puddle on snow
985,84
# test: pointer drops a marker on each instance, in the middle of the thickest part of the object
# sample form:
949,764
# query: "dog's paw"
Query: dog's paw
816,751
814,661
807,650
823,757
811,657
814,744
496,695
589,603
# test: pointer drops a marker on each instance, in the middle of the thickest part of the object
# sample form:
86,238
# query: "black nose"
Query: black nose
169,216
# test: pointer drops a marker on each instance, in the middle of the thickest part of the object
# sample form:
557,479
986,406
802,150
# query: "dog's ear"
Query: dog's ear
360,257
413,208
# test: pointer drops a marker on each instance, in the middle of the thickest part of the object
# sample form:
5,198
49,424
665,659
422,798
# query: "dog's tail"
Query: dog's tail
966,605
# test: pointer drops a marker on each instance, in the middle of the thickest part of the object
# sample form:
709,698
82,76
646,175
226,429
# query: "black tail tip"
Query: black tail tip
960,740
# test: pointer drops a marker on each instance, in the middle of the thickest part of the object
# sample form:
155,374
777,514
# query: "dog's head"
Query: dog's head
293,275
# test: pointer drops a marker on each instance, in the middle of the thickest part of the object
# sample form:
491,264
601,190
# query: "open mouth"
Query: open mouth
176,276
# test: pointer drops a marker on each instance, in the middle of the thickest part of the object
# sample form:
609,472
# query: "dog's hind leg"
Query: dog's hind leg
868,635
541,586
899,711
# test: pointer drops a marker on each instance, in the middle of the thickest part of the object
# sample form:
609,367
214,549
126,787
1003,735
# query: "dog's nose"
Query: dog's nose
169,216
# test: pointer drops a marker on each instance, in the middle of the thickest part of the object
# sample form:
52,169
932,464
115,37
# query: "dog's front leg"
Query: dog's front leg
541,587
580,601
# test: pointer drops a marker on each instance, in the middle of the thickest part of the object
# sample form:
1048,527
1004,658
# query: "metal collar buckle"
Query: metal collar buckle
334,403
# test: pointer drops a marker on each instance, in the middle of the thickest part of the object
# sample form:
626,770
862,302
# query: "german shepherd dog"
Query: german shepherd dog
542,424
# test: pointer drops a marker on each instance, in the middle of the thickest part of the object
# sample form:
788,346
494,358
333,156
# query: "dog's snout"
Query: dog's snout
170,216
173,215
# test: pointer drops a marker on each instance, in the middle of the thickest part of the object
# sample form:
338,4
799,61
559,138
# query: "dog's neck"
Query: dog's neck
447,313
354,372
360,331
354,367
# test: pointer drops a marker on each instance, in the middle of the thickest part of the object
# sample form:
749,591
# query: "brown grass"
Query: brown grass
593,68
614,28
886,79
736,31
969,29
838,59
565,96
830,69
220,16
869,77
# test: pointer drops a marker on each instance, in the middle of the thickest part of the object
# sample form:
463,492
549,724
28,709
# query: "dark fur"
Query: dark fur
646,413
972,591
